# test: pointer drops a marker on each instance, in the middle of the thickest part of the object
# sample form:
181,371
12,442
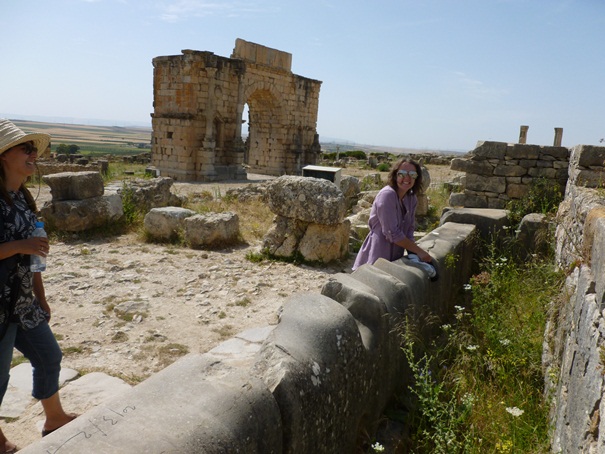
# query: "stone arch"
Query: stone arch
199,100
265,112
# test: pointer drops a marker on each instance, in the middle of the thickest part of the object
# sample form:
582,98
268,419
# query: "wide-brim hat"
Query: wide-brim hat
11,136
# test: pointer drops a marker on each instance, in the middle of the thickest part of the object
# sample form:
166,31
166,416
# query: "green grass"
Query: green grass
478,385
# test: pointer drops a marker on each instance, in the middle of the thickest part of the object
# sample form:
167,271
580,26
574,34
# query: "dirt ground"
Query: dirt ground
129,308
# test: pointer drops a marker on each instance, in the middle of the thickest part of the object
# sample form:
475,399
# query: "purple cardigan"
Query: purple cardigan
390,221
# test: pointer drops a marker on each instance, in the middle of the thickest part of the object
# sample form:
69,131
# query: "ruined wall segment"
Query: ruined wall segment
497,172
199,101
575,332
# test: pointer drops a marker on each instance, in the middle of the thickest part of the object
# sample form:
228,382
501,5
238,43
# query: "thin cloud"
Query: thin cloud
477,88
182,9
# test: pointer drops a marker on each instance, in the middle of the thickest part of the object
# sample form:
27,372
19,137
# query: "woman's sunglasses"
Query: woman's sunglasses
403,173
28,148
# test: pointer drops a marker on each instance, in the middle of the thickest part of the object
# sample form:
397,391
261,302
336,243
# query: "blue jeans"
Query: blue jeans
40,347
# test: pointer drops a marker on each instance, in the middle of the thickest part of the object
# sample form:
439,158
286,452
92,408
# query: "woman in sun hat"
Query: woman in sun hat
24,311
392,220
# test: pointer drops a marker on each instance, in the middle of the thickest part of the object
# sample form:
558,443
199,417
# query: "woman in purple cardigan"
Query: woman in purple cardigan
392,217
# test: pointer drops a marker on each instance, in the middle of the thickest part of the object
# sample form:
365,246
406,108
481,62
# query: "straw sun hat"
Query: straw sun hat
11,136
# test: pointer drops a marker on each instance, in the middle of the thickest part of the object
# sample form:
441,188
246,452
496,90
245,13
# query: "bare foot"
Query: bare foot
56,424
9,448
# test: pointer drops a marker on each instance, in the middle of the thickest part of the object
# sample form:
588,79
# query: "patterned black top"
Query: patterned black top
16,223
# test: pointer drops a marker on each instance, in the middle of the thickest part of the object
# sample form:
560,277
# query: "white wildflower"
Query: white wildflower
505,342
516,412
472,348
377,447
469,399
467,286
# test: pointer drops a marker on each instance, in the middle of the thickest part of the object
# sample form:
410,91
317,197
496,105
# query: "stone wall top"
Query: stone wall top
497,172
262,55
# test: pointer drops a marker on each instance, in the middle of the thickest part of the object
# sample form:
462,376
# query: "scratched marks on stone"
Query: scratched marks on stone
99,427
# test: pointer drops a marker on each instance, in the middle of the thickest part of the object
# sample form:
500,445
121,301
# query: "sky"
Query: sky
425,74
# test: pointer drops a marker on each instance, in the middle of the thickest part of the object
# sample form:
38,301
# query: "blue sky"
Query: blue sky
429,74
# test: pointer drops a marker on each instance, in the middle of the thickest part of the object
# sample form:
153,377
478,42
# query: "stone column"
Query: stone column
558,137
240,106
206,156
523,134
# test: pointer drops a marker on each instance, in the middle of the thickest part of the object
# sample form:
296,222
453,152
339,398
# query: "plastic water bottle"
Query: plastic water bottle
38,262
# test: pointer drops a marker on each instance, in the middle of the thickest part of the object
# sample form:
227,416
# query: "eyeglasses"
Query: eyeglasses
403,173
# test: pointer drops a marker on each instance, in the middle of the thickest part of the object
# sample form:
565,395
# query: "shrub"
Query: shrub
544,197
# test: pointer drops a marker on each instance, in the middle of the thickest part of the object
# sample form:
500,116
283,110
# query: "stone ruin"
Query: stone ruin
310,219
321,378
199,101
497,172
80,200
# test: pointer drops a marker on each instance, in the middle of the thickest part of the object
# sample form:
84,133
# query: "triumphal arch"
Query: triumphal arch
199,102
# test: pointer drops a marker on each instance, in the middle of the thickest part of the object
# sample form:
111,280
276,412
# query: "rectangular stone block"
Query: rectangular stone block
549,173
510,171
588,155
489,150
480,183
523,151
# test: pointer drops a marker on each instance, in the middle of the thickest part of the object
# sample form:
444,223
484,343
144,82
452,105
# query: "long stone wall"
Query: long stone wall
497,172
318,381
574,345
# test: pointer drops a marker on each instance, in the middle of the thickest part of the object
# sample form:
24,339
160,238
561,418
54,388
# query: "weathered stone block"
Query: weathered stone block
523,151
561,153
587,155
517,191
489,222
325,243
510,171
314,352
489,150
80,215
472,200
165,223
212,229
528,163
470,166
311,200
496,203
480,183
75,185
539,172
457,199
